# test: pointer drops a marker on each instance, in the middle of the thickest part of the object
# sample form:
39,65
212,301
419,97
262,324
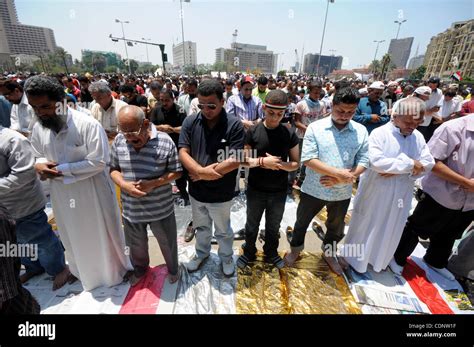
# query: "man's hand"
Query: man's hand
111,134
166,128
386,175
207,173
328,181
145,185
47,170
418,168
271,162
437,120
375,118
131,189
470,186
247,124
345,176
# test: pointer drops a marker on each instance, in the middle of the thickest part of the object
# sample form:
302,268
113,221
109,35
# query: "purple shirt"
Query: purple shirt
453,144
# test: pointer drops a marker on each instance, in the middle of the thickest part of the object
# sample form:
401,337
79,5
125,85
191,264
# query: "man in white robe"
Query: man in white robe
72,152
398,155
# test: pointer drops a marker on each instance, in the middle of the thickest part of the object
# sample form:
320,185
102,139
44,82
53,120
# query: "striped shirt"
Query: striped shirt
155,159
245,110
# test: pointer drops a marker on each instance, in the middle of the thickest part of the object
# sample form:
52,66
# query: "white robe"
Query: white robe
382,204
83,200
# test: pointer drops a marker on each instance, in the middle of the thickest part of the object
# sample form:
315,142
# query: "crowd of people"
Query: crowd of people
76,138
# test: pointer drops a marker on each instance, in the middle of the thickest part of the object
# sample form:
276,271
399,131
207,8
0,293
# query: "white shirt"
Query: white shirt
436,99
23,116
449,107
108,118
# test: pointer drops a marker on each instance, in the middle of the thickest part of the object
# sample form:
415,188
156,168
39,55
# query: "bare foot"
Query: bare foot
29,275
344,264
291,258
134,279
173,278
333,264
71,278
61,278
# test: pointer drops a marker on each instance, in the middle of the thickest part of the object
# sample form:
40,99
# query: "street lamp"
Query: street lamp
322,39
146,45
182,31
125,43
375,55
399,25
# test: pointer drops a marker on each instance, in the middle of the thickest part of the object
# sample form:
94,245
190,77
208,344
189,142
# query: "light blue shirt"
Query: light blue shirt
343,149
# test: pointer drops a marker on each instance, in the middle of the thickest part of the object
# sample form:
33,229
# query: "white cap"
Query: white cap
363,91
392,83
423,90
377,85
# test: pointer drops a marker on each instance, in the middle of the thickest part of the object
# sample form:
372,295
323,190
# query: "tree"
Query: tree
418,73
220,66
61,54
281,73
99,63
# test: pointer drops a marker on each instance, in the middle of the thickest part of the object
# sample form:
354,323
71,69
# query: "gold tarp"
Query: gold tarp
309,287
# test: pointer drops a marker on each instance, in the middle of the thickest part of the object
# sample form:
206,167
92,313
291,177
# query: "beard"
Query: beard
54,123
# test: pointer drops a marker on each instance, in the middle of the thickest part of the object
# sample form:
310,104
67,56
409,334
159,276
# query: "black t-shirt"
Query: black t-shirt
138,100
207,146
86,96
277,142
174,117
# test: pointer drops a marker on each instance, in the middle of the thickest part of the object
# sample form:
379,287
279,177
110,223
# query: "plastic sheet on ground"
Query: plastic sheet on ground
309,287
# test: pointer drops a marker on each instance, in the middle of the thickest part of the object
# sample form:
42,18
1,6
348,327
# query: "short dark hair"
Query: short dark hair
346,95
83,79
44,85
262,80
229,83
450,92
277,97
192,82
12,85
210,87
168,92
314,84
127,89
155,85
341,84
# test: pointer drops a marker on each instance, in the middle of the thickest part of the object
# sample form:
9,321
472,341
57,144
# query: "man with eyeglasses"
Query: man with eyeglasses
143,163
205,140
72,153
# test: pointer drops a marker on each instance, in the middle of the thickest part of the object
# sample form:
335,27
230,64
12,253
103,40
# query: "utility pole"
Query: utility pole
125,43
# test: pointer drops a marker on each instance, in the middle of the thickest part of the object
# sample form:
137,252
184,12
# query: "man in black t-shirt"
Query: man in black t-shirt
132,97
272,151
168,117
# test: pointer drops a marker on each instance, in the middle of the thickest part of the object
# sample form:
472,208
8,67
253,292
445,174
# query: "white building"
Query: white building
189,53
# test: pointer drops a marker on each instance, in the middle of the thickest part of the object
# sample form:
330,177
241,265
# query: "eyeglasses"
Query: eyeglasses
210,106
132,133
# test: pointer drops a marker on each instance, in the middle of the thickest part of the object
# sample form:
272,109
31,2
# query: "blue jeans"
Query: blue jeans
203,216
34,229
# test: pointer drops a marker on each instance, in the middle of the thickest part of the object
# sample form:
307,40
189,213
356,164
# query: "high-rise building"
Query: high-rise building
189,53
245,57
451,51
399,51
20,39
416,62
327,64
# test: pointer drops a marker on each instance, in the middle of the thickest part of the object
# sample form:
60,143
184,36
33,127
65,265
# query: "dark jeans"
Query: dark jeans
274,205
136,238
34,229
442,226
308,208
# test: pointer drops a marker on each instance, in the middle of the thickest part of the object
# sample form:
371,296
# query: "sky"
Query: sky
282,26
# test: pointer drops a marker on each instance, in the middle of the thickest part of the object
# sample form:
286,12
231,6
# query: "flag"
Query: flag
457,76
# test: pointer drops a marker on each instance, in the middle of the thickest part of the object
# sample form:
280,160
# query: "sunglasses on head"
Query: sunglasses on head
210,106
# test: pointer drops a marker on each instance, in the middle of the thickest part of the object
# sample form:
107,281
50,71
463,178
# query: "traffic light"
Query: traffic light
165,57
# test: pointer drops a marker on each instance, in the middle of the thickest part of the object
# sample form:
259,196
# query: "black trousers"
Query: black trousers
441,225
309,207
181,184
273,204
23,303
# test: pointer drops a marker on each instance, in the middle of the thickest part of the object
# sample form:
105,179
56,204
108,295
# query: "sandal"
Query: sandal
243,261
276,261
